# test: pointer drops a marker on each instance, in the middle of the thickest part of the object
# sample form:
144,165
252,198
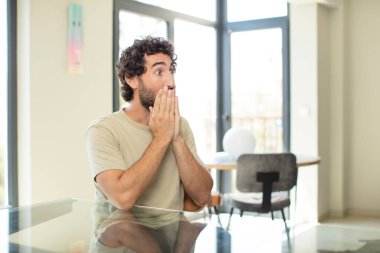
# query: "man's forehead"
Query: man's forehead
157,59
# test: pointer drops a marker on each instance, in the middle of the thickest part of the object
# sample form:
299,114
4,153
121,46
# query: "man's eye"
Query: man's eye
158,72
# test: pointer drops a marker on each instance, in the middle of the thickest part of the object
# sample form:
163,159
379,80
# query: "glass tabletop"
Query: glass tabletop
74,225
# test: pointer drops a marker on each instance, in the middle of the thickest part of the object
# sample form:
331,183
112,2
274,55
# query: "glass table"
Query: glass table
74,225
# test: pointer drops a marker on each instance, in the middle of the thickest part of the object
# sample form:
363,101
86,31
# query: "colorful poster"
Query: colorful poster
75,38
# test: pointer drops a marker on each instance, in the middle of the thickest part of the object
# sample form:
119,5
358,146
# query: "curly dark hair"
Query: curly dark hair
132,61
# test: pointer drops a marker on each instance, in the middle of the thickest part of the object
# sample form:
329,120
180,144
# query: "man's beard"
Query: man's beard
147,96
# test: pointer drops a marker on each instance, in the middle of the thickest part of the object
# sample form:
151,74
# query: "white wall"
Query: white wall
55,107
335,56
363,103
324,107
336,205
304,104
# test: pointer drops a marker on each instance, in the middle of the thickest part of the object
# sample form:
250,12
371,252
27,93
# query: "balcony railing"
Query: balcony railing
266,129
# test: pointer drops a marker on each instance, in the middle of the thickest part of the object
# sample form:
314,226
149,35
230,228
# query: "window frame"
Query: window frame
283,24
12,168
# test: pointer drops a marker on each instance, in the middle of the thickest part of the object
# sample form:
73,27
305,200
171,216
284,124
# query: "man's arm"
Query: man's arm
196,179
125,230
124,188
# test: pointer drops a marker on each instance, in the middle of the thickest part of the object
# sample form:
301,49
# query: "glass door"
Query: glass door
257,86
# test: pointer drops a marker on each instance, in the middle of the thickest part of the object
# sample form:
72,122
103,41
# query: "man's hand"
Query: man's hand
177,120
162,116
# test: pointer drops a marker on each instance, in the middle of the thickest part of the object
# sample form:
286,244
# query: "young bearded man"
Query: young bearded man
145,153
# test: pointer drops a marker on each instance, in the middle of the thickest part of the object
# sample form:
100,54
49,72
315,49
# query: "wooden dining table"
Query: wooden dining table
223,161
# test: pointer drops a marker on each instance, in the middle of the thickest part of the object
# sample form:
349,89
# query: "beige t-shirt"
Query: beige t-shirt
116,142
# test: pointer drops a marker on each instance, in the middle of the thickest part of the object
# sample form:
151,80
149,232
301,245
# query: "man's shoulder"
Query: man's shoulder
184,120
184,123
105,121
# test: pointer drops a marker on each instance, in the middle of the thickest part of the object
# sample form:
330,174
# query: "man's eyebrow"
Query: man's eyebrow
158,63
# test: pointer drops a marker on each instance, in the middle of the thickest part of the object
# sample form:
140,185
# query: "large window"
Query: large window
240,10
198,8
232,65
3,102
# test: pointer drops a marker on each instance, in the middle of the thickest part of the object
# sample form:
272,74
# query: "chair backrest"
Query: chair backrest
249,165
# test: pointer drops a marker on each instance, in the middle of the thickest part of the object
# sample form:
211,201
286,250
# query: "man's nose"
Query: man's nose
170,82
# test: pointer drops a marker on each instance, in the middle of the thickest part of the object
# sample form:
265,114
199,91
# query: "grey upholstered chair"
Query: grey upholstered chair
263,181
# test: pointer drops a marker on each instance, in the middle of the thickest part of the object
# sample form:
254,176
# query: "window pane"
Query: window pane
196,81
133,26
256,86
3,101
205,9
239,10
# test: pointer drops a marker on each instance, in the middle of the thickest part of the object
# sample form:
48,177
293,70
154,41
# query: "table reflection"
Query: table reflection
143,229
74,225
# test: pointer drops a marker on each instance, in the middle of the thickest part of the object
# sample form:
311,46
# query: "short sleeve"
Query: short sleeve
103,150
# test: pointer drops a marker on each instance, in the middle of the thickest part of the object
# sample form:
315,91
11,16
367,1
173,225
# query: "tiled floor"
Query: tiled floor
261,234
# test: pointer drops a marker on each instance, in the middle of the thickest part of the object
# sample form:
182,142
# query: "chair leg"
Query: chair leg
217,214
271,213
229,219
286,227
241,213
209,213
204,211
283,217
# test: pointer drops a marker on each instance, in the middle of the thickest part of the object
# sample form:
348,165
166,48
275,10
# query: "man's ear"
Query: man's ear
132,81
